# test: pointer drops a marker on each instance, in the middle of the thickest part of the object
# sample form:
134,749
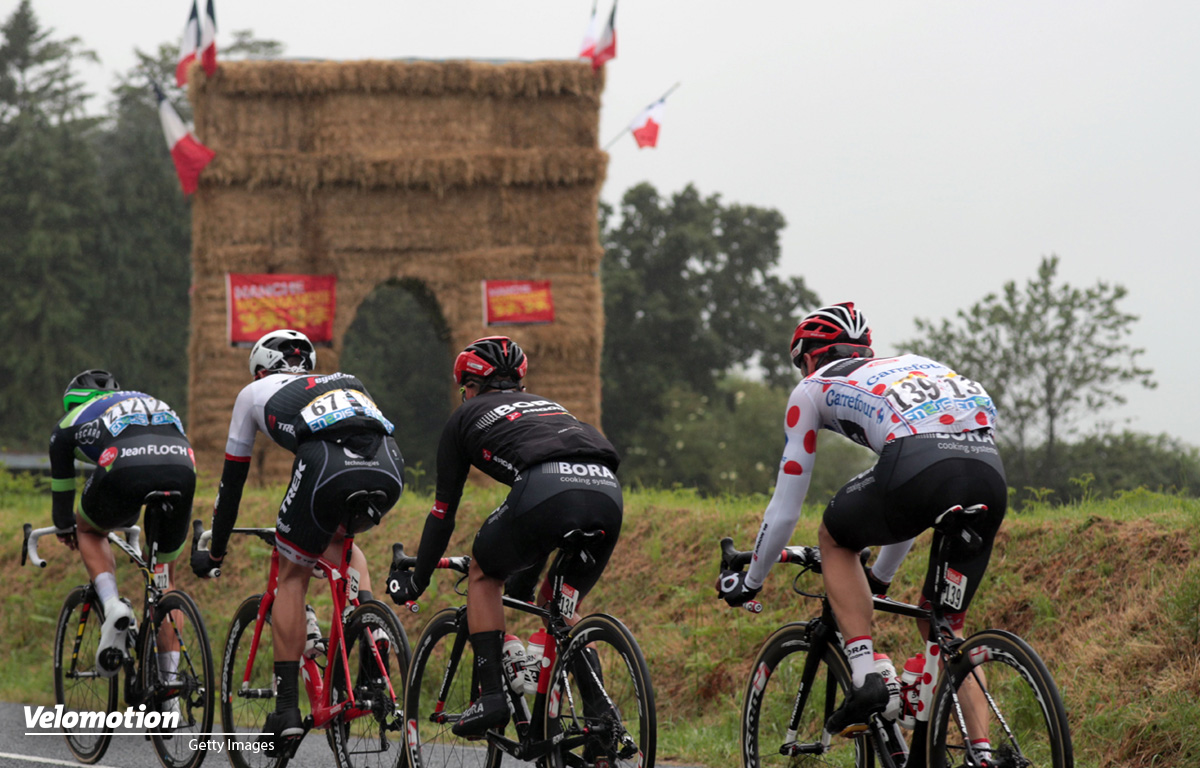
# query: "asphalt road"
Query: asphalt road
48,748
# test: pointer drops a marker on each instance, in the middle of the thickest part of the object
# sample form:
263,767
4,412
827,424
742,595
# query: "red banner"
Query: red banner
260,303
517,301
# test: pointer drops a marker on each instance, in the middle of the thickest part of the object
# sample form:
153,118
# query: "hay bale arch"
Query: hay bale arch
433,173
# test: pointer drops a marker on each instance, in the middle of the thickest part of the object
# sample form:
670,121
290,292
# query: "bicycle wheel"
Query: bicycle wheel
188,690
441,687
601,701
371,733
78,687
1001,686
772,695
246,701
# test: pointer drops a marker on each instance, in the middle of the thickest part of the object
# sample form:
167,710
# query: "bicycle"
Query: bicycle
361,718
993,679
614,725
170,620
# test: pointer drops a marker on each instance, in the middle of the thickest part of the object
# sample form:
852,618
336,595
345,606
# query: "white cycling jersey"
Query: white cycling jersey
249,415
871,401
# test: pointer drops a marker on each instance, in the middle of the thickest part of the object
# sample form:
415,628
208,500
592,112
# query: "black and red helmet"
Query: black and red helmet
493,356
832,326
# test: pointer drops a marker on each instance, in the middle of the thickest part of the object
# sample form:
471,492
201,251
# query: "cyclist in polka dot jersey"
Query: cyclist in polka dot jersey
933,430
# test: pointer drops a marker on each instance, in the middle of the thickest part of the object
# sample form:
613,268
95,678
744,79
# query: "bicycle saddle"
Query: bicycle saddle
366,510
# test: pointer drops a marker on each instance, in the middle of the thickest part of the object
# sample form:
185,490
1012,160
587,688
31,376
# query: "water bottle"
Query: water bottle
514,662
314,644
534,657
884,666
910,690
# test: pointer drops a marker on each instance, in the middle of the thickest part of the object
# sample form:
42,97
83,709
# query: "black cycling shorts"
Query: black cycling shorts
916,479
324,473
115,492
546,502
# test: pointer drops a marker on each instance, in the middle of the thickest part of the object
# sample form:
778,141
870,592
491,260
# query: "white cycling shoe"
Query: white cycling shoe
114,634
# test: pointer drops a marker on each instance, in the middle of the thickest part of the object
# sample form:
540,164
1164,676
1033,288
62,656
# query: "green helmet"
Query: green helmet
88,385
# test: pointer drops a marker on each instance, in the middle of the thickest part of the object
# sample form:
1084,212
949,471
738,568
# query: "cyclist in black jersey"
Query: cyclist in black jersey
563,477
343,444
137,445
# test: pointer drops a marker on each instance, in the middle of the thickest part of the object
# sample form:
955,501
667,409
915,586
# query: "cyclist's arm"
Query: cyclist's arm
62,478
238,448
452,469
801,423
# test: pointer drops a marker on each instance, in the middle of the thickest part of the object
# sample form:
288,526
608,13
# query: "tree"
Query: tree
49,216
1049,354
689,295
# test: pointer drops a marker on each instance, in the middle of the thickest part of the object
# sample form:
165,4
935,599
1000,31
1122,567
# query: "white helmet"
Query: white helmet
271,352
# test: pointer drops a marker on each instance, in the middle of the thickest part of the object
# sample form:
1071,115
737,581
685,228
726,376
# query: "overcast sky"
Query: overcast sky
922,153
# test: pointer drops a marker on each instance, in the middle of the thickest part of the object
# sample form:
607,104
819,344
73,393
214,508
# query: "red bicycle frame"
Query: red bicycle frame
318,684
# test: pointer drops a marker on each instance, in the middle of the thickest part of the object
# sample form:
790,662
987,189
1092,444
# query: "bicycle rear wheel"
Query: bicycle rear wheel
772,696
601,701
246,702
188,691
371,735
999,686
78,686
440,687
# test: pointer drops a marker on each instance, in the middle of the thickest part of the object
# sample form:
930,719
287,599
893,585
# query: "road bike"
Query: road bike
594,702
356,703
170,623
991,685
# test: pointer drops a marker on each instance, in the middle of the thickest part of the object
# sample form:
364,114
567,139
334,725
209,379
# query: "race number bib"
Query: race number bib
918,396
140,412
954,589
338,405
162,579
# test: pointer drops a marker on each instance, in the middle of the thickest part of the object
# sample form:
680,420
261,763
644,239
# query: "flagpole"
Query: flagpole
651,104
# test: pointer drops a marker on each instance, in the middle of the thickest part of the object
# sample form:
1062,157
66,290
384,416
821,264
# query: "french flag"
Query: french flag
606,44
189,46
189,155
645,127
588,49
208,40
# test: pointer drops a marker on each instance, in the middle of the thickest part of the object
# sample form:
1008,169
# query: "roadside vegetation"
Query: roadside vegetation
1108,591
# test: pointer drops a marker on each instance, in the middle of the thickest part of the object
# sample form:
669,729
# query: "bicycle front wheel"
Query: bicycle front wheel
777,728
177,676
247,686
78,686
999,690
440,687
601,701
370,734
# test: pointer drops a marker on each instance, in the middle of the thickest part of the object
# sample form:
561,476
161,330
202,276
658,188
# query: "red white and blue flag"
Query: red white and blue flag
588,49
189,155
645,127
208,40
606,43
189,46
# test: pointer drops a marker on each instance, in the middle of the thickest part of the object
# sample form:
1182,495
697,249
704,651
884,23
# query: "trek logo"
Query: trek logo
293,488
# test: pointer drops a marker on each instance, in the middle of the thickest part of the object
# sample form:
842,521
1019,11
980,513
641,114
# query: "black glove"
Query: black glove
203,564
731,588
404,586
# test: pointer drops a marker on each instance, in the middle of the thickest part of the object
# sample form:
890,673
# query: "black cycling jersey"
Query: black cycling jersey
138,445
503,433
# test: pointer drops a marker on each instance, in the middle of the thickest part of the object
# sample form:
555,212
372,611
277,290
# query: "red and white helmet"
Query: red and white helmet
836,325
271,352
491,356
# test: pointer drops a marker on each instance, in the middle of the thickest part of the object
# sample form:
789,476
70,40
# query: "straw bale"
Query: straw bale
435,174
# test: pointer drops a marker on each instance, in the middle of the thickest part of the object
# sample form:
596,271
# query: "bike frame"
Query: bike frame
317,684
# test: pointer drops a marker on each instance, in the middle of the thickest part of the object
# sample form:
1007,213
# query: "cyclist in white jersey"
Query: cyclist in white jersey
343,444
932,429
